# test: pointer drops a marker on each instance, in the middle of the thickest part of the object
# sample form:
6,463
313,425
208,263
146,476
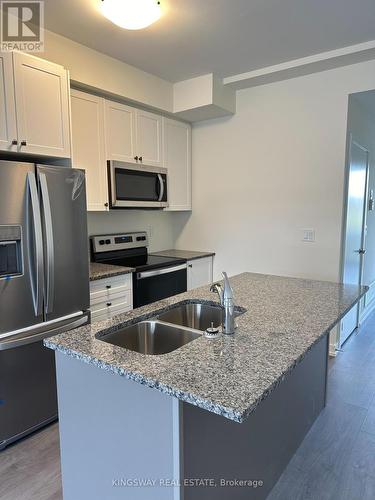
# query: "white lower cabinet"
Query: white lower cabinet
199,272
111,296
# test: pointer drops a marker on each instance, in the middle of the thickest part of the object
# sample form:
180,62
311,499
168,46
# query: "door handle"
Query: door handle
17,341
37,281
161,187
47,216
158,272
361,251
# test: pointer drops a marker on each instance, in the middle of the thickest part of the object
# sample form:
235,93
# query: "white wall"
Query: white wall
158,225
100,71
273,168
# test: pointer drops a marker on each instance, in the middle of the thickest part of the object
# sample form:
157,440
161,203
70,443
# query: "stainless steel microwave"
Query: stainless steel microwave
137,186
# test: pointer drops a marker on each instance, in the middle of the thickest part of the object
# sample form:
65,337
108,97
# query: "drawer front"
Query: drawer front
105,289
116,305
110,313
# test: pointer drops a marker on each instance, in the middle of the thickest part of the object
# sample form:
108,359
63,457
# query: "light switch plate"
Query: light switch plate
308,235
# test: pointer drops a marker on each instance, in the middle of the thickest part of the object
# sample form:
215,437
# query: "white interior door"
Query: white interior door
355,229
8,126
42,106
88,145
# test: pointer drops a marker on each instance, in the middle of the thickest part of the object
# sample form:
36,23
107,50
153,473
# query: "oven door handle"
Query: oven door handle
161,182
158,272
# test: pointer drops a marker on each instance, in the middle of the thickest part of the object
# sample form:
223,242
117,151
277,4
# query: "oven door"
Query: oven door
150,286
137,186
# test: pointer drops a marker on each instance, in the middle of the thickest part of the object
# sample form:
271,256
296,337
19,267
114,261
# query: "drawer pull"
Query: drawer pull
108,286
109,304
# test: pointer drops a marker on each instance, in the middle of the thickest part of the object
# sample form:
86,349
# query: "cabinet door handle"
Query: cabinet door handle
136,158
14,142
106,204
108,286
140,159
23,143
109,304
190,265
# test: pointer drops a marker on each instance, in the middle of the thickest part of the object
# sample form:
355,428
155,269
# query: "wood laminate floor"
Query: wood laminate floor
336,461
30,468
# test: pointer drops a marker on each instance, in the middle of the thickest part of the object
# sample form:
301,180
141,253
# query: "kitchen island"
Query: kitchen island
214,419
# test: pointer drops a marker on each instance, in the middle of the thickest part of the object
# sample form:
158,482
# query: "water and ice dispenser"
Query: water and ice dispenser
10,251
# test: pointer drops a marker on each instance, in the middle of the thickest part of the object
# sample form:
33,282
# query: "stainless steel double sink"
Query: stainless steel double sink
167,331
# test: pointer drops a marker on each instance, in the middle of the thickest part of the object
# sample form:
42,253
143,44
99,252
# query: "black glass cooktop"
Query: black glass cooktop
145,262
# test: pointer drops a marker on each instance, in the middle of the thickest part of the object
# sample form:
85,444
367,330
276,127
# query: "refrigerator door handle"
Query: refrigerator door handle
48,230
36,277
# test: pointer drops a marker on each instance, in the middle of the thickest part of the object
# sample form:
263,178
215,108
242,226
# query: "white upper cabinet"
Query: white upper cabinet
8,124
88,145
149,138
120,132
177,159
133,135
42,106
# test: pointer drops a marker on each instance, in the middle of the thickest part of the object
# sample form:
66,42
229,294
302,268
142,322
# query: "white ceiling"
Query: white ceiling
224,37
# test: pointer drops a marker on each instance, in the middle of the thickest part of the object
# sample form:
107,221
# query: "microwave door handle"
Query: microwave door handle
49,242
37,280
161,183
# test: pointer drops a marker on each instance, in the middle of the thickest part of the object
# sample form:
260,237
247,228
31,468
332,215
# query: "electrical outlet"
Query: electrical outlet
308,235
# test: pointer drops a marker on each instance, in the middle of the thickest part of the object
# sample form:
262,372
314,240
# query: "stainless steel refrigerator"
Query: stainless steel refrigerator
44,286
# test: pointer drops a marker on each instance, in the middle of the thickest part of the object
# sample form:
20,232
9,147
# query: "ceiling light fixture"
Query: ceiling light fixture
131,14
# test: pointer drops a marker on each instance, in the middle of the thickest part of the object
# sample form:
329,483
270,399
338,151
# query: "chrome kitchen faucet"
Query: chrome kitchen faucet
227,302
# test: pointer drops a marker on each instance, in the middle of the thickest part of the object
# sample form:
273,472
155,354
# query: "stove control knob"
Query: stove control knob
101,242
107,242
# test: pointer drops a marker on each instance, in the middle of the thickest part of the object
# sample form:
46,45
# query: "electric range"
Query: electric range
155,277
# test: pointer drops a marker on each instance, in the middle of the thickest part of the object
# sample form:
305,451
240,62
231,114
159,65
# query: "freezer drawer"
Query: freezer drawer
27,390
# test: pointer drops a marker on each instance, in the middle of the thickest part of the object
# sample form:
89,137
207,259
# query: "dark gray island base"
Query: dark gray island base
215,419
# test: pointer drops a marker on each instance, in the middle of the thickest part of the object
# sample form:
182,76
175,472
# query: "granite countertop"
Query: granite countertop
231,375
100,271
184,254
